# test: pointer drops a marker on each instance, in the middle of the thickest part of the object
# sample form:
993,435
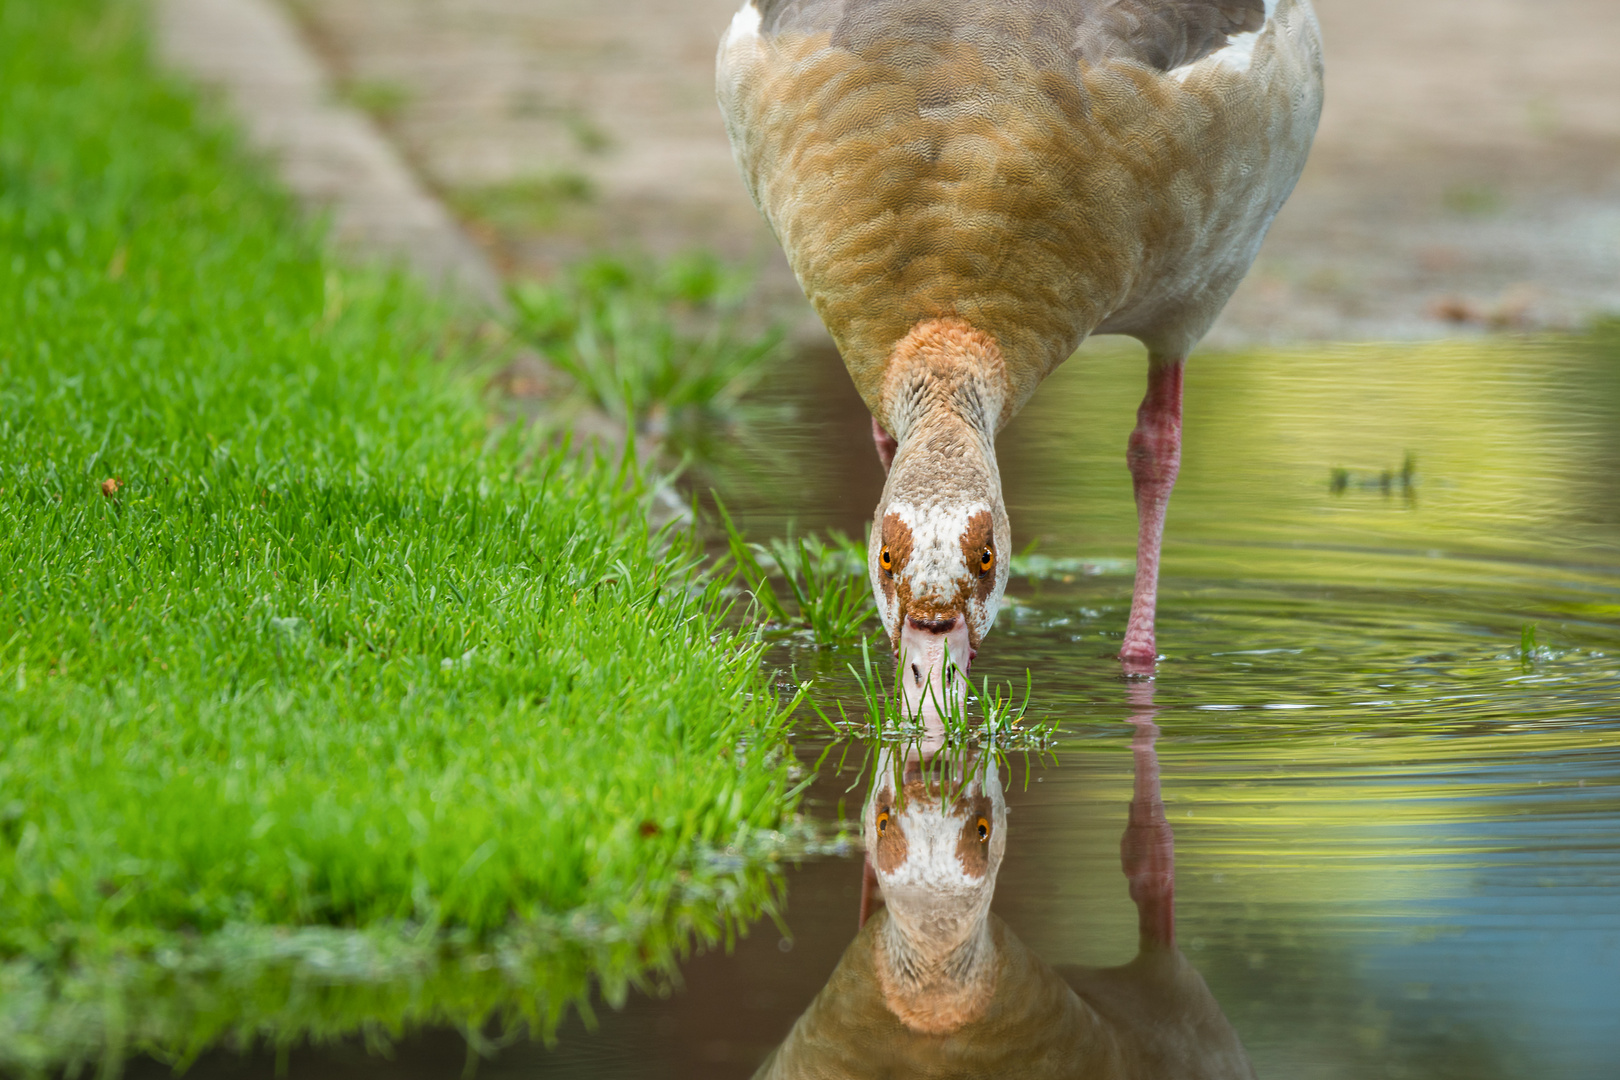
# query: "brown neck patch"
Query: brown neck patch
945,365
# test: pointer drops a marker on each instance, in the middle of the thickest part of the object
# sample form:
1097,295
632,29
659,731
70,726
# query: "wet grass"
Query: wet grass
659,347
324,708
882,716
825,580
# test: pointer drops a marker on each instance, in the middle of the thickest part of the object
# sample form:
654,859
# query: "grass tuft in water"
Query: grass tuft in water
1003,728
1386,481
1529,653
660,348
826,581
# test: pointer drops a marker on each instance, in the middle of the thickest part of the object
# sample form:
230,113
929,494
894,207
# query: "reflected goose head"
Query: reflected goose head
935,834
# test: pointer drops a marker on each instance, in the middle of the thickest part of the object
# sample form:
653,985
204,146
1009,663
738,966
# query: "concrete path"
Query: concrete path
330,154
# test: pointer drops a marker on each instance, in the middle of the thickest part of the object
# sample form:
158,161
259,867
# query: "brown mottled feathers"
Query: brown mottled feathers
1162,34
1162,1023
1038,169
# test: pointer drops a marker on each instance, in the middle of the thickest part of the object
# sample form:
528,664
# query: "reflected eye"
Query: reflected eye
886,560
882,822
984,829
987,561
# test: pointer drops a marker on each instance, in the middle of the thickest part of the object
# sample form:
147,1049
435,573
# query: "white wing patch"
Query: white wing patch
1236,55
744,27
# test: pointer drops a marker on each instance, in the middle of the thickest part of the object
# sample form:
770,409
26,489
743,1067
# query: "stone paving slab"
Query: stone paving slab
329,154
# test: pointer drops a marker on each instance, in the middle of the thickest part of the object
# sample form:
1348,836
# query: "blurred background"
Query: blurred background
1466,174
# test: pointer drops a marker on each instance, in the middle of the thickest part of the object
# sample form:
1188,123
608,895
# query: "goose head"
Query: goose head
938,547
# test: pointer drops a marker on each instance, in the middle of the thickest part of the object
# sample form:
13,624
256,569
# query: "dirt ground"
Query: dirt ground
1466,174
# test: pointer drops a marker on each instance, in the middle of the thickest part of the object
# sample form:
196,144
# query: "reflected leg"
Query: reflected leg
1154,456
869,890
1147,850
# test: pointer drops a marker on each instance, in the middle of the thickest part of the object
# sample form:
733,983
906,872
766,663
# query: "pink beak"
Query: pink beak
933,665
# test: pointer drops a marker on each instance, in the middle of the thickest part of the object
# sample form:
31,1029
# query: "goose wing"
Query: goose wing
1161,34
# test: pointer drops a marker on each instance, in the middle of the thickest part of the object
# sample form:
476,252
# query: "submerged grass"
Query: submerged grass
324,709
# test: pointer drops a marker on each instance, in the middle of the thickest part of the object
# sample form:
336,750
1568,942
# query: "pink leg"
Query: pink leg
1148,848
1155,458
886,446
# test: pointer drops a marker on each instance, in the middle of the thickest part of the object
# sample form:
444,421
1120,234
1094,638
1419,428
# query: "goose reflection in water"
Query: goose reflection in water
934,985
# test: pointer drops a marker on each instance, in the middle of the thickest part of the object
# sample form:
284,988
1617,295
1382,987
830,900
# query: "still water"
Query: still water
1395,824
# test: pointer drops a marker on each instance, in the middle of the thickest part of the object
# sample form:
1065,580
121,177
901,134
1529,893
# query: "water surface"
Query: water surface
1397,832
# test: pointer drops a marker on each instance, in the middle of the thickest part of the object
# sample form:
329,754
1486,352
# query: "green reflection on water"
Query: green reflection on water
175,995
1511,442
1398,838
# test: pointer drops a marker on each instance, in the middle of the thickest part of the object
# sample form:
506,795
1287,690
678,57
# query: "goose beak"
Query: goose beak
934,657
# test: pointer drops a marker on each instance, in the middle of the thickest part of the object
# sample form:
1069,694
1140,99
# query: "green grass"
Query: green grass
334,711
887,720
660,348
530,203
825,579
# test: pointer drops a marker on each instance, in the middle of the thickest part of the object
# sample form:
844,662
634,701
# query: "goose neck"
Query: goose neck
936,983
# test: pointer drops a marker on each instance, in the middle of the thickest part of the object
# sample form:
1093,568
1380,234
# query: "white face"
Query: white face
939,561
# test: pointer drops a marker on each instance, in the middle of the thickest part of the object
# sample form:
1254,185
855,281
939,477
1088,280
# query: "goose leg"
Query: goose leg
886,444
1155,458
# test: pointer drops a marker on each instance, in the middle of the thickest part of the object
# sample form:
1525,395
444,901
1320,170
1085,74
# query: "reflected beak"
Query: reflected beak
934,658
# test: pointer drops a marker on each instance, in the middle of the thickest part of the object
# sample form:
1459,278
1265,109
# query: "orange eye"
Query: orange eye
984,830
886,560
882,822
987,561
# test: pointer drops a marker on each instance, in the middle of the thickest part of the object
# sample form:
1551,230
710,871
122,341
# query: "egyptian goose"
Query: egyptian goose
966,189
936,985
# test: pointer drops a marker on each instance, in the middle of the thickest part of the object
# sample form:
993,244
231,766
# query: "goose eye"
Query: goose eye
984,830
882,822
987,561
885,560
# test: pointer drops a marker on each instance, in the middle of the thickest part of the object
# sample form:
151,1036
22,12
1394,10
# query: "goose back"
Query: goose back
1038,168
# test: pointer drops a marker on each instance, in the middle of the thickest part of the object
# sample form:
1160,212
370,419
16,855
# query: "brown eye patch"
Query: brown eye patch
973,844
894,553
979,552
889,852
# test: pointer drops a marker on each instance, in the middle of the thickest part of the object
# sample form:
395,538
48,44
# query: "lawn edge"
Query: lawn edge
329,154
